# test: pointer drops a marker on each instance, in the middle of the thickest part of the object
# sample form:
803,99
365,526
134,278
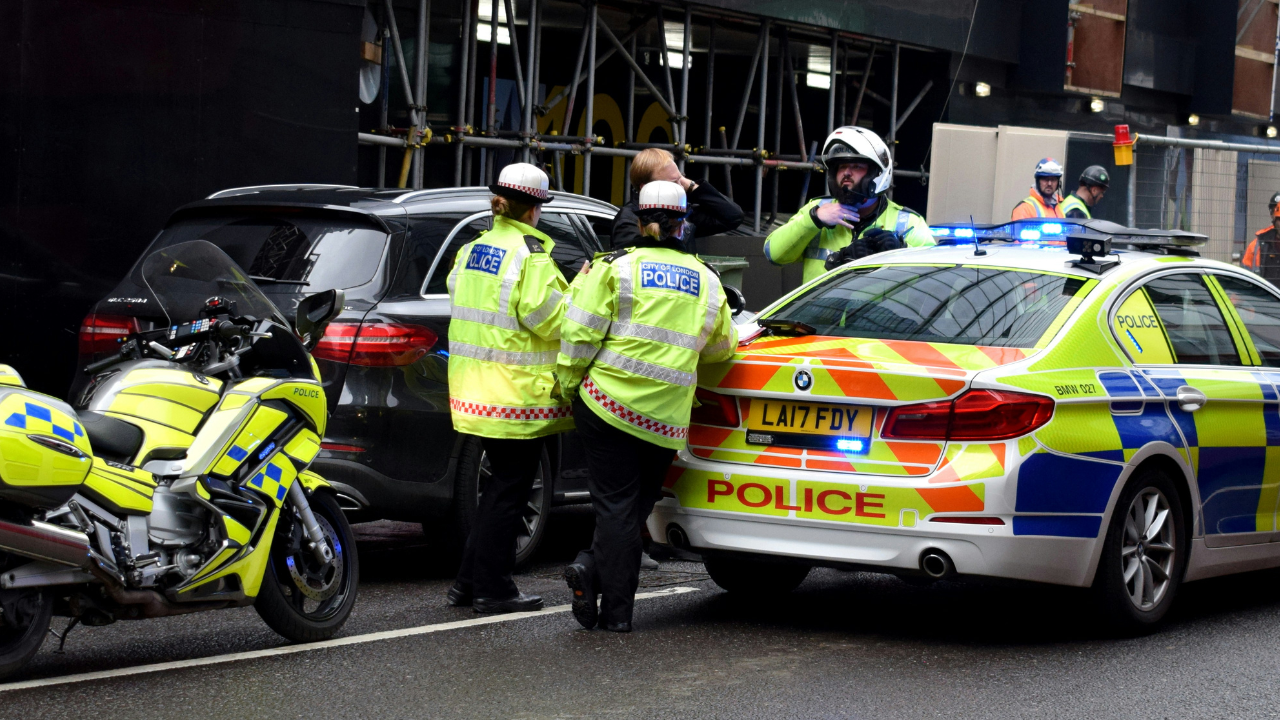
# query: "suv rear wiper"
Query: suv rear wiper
278,281
782,326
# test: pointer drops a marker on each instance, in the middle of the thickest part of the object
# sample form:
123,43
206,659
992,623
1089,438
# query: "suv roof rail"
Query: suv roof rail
1059,229
231,192
413,195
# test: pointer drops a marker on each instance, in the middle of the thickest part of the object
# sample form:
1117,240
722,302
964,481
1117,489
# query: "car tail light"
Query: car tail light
716,409
375,344
104,333
341,447
976,415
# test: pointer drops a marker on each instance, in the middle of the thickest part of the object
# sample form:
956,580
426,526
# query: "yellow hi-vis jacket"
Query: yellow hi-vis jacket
1073,202
636,327
800,237
505,300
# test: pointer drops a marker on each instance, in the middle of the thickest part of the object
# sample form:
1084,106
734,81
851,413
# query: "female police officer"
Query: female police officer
636,327
505,300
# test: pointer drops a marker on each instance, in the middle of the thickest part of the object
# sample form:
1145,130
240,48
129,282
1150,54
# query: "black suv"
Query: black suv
390,449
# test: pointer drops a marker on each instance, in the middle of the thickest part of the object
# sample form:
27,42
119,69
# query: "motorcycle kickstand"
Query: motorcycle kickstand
62,639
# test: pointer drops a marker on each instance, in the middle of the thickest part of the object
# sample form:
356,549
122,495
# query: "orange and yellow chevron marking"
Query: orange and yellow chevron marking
944,358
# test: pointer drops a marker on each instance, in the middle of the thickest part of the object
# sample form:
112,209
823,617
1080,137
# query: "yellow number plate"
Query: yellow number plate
774,416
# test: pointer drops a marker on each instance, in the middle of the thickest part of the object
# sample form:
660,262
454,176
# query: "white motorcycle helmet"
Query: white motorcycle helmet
850,144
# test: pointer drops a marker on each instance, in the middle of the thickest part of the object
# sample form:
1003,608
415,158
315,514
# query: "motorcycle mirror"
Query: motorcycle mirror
315,312
737,301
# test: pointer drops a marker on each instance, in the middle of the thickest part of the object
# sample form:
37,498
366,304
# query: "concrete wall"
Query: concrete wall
982,172
1018,151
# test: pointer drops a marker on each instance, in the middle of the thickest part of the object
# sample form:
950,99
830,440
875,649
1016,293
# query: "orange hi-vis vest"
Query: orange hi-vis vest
1033,206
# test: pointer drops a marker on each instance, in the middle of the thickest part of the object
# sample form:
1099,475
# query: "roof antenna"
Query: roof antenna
977,249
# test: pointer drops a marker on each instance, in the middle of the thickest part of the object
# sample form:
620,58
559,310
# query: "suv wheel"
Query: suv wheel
473,474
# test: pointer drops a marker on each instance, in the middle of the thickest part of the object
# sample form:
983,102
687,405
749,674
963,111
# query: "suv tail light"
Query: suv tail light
975,415
716,409
374,344
104,333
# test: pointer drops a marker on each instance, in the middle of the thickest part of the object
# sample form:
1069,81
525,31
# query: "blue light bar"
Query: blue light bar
941,232
850,445
1029,234
1051,228
964,232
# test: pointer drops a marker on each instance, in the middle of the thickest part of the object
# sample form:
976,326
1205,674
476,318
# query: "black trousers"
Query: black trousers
490,553
626,475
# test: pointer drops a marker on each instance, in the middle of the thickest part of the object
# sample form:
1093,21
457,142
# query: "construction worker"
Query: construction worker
856,219
1094,182
637,325
711,213
1043,201
1264,244
505,302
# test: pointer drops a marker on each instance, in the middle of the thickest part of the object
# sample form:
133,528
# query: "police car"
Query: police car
1068,402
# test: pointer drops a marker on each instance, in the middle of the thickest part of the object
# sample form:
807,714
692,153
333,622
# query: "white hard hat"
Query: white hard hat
1048,167
522,182
663,195
851,143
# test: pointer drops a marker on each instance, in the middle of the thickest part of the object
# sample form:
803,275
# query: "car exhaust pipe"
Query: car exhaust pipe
43,541
936,564
677,537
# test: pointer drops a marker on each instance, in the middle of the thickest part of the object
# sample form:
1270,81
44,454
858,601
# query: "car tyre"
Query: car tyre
744,576
472,473
1144,556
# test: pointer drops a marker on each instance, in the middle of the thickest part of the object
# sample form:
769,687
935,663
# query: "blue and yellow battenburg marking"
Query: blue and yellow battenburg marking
275,478
39,420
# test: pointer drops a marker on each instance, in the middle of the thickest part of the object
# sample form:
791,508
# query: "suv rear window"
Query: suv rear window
309,253
955,304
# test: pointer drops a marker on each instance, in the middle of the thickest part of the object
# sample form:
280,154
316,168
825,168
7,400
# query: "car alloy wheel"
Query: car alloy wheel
1147,551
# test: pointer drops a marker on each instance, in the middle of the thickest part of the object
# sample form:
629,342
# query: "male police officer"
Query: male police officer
856,220
1253,253
637,325
1094,182
1043,200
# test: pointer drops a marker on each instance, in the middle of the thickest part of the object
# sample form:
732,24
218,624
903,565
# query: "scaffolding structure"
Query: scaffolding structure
467,135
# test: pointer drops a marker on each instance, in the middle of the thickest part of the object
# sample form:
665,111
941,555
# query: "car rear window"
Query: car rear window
311,254
951,304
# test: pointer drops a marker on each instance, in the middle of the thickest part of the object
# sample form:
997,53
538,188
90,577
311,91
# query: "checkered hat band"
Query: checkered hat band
534,191
502,412
677,208
632,417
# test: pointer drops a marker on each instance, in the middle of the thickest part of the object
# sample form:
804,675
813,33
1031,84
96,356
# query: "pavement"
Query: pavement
844,645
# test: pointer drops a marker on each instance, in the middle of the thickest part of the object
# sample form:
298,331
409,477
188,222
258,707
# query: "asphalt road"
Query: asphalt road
843,645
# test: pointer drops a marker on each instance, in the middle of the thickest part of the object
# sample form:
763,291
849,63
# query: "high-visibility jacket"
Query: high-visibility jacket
1073,202
505,303
801,237
1253,253
636,328
1034,206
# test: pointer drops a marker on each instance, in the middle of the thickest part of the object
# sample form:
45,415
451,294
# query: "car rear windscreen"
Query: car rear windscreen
310,254
951,304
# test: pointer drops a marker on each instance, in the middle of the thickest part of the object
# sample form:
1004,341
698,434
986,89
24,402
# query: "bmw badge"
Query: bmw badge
803,380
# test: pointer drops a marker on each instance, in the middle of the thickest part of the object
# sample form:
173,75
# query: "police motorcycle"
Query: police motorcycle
181,485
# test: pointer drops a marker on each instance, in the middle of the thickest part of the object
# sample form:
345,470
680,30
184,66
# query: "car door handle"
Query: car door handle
1191,399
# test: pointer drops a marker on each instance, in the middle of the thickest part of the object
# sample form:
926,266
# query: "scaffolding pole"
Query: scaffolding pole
420,98
531,82
862,86
630,127
764,98
893,112
592,16
711,74
684,80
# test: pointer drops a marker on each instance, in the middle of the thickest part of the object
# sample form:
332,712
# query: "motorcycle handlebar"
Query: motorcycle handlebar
103,364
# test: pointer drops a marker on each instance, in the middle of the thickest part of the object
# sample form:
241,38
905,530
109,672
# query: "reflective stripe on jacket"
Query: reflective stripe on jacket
505,300
636,328
1033,206
801,238
1073,202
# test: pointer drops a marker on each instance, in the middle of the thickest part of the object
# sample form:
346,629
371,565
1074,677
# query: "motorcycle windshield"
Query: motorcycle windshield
184,276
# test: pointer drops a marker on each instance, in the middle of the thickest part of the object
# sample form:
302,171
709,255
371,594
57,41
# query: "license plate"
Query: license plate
813,425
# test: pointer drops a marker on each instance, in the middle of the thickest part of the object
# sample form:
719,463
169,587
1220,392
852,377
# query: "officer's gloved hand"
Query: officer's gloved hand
854,250
881,240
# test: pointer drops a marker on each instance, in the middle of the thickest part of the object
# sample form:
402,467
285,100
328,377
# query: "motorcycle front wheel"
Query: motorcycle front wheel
25,622
301,598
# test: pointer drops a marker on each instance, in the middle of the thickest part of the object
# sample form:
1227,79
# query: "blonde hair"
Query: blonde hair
646,163
509,208
652,230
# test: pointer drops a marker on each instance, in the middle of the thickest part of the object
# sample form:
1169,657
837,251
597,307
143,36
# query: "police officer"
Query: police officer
637,325
1094,182
856,219
1252,253
1043,200
711,213
505,300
